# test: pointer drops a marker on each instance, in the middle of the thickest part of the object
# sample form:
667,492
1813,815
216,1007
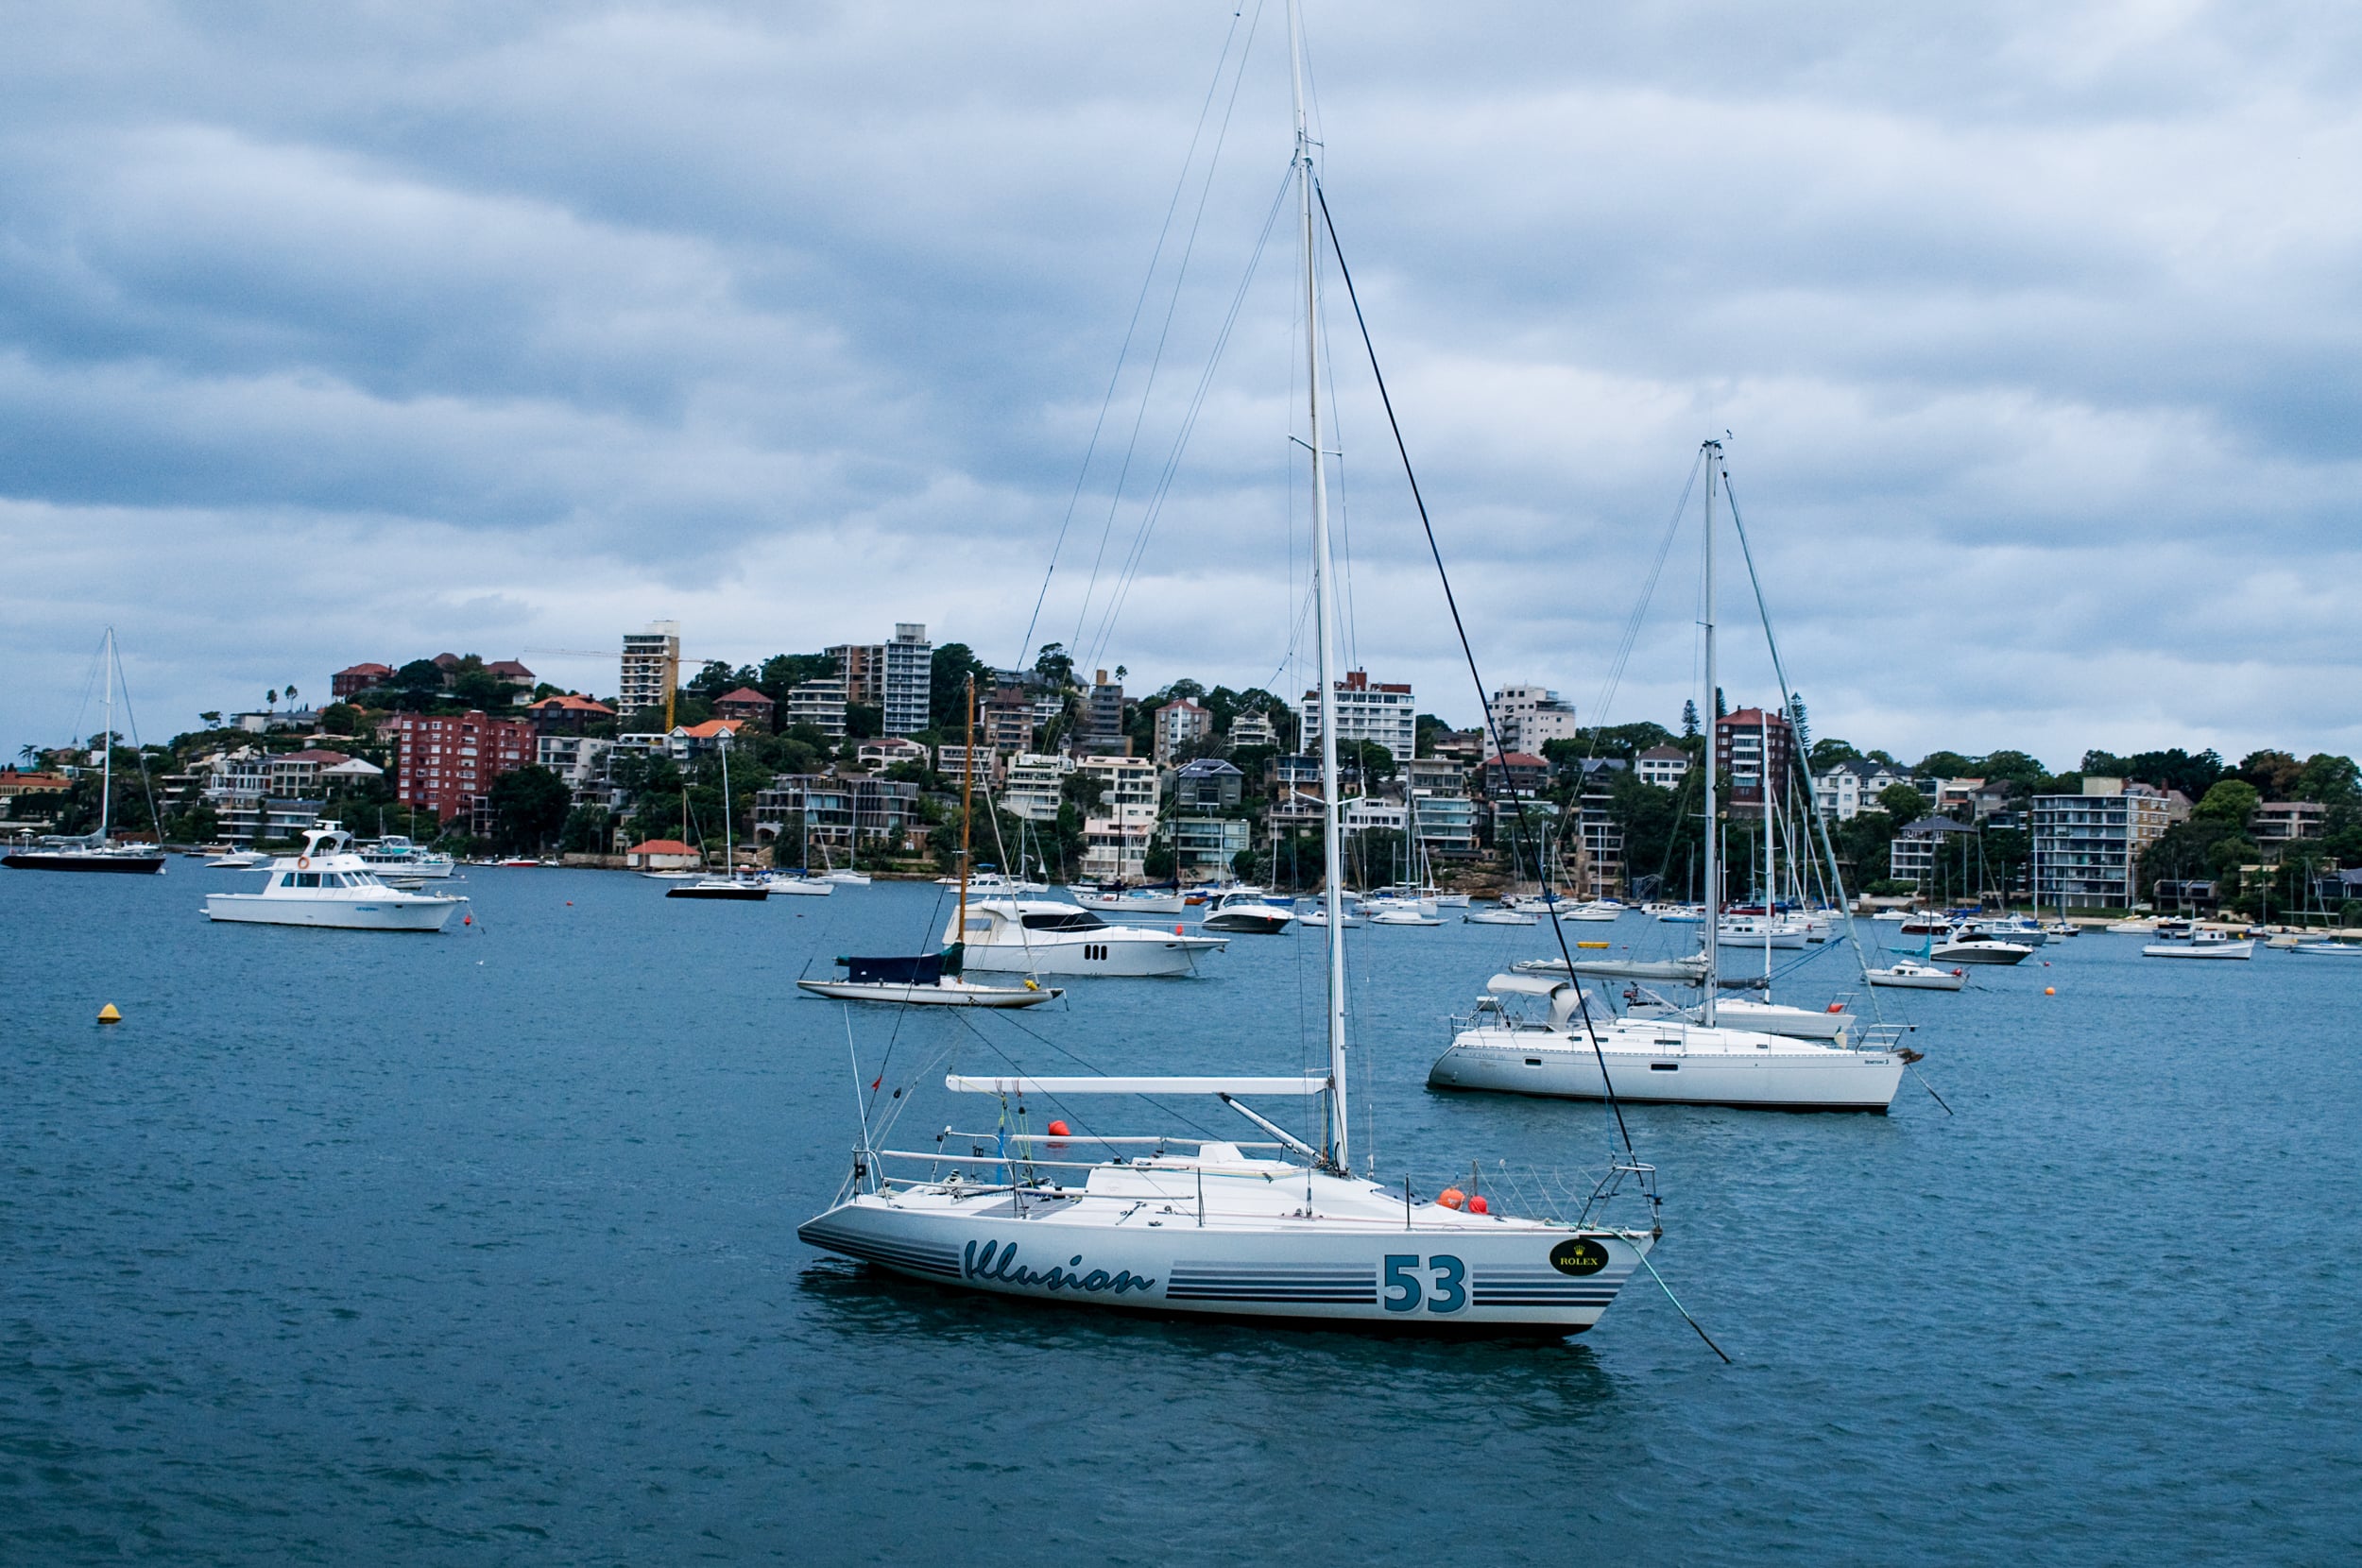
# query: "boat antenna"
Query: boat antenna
1467,651
1332,850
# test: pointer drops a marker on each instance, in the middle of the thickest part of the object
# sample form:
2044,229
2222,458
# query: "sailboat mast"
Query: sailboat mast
1771,850
968,784
1714,868
107,741
1332,854
730,846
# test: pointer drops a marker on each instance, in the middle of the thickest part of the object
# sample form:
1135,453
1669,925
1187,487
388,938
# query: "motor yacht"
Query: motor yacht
1910,975
396,856
1249,914
1978,950
1043,937
328,884
2204,942
1121,902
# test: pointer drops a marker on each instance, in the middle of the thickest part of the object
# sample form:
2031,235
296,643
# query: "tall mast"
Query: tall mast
107,744
730,846
1333,852
1714,869
967,783
1771,851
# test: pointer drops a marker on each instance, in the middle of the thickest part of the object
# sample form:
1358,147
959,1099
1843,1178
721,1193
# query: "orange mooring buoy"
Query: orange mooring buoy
1058,1130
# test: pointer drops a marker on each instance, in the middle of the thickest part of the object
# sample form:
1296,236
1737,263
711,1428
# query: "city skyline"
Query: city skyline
2027,328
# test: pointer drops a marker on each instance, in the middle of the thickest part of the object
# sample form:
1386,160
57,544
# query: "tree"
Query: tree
1689,717
1903,802
948,675
2331,780
479,690
1945,764
291,694
2231,801
1796,718
271,700
1055,665
588,831
211,718
1830,753
1377,763
2012,767
864,721
340,719
529,807
2274,773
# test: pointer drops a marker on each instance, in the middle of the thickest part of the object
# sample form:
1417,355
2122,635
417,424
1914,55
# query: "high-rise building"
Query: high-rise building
1178,726
1529,716
895,677
651,667
909,679
1366,710
1752,747
2087,847
448,764
1101,733
819,703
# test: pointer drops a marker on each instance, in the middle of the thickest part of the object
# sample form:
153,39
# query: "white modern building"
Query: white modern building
1846,790
1177,727
1252,729
1662,766
2087,847
1117,831
1366,710
1530,715
581,761
1035,786
895,677
651,667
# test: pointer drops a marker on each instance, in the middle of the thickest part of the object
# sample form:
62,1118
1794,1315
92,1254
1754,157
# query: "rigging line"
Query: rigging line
1787,709
1156,254
1153,510
146,785
1631,636
1558,927
1683,1310
1173,304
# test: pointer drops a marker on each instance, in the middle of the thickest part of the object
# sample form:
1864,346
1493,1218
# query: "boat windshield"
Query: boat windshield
1066,920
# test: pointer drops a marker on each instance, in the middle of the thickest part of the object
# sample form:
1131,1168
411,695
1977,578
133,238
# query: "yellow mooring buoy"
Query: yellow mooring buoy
108,1015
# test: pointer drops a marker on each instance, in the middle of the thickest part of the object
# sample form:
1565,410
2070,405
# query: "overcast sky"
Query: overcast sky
331,333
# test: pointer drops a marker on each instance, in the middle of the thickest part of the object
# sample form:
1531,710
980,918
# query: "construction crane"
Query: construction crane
672,683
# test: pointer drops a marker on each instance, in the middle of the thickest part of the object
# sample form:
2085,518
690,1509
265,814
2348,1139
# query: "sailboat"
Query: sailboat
1580,1051
98,851
1281,1227
729,886
933,980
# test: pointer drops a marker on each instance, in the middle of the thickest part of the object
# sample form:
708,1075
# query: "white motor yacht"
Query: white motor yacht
330,885
2204,942
1910,975
1043,937
1249,914
396,856
1667,1060
239,860
1978,950
1500,916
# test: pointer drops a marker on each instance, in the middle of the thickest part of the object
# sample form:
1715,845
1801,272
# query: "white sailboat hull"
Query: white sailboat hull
1426,1278
1665,1071
948,993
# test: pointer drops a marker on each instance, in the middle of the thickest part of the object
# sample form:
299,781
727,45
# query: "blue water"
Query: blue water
481,1248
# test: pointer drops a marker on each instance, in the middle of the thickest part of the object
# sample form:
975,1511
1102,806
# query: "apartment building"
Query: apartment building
1117,831
2087,847
447,763
1177,727
1252,729
1035,786
581,760
1366,710
1598,870
650,670
839,813
1753,746
895,677
1530,716
1102,732
1911,857
1846,790
819,703
2277,823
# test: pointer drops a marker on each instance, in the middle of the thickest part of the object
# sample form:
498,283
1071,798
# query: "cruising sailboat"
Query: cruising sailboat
1580,1051
1277,1228
729,886
98,852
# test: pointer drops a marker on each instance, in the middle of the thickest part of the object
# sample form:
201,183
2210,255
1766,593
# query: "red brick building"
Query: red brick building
359,679
448,764
1741,751
567,715
745,704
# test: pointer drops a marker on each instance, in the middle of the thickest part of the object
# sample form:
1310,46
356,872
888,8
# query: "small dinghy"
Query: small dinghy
930,980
